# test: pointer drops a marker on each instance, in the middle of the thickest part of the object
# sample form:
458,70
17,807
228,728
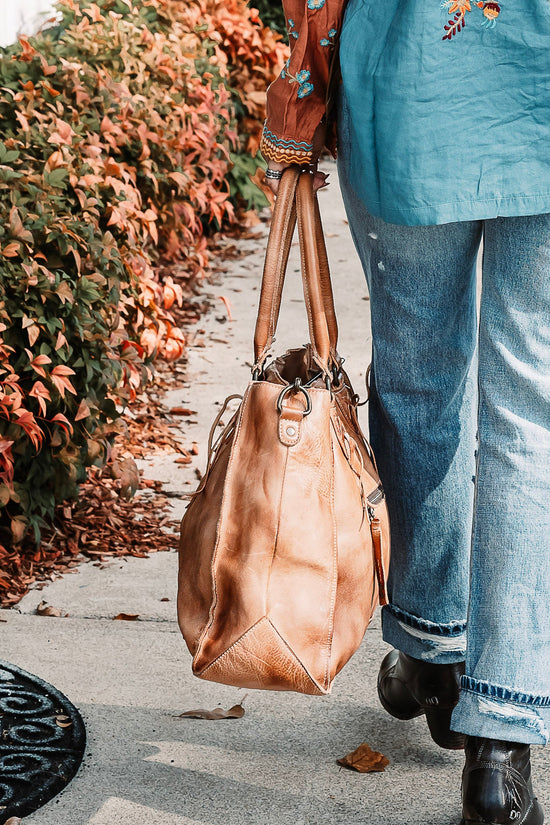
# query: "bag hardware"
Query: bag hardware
295,387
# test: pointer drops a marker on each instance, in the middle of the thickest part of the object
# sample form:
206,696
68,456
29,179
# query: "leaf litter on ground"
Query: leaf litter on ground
364,760
235,712
45,609
63,721
101,526
105,522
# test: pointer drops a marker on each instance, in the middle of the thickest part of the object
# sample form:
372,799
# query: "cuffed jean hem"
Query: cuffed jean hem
496,712
441,644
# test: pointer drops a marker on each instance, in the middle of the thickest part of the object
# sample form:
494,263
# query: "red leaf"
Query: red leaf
63,421
83,411
59,377
38,362
17,230
42,394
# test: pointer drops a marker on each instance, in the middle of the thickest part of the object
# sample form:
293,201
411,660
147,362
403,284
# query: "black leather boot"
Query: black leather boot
496,784
410,687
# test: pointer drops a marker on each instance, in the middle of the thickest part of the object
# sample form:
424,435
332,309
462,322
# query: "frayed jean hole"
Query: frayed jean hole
514,714
436,644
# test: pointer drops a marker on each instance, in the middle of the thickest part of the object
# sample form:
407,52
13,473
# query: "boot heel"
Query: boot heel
536,817
439,720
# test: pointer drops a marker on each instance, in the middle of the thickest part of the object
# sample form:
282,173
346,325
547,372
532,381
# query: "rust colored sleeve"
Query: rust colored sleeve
296,100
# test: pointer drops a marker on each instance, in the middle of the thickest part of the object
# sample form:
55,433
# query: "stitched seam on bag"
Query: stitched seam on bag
305,283
284,642
334,581
276,291
211,614
231,646
322,390
289,442
295,657
277,530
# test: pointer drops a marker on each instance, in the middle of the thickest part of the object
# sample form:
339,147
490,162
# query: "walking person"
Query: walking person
444,145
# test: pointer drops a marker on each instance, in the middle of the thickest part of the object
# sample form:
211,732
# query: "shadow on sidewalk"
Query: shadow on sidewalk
250,772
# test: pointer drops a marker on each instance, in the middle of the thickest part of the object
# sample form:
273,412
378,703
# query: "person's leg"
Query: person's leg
506,691
422,417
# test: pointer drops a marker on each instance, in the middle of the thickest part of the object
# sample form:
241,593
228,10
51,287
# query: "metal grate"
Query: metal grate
42,741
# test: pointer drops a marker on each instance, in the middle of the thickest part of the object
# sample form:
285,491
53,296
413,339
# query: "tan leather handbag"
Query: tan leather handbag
285,543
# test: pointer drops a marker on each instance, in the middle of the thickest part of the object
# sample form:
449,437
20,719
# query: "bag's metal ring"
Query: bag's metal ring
296,387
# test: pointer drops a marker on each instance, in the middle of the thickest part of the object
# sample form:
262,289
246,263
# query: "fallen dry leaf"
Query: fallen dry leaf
127,471
227,305
45,609
126,617
364,760
182,411
218,713
13,820
63,721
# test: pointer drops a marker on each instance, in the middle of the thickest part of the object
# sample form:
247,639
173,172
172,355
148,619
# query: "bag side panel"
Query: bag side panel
248,524
196,551
260,659
357,592
302,584
346,413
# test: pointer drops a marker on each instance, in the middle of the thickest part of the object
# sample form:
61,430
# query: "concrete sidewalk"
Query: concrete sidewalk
276,765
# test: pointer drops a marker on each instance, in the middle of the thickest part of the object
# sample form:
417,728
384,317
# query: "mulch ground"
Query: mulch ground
107,520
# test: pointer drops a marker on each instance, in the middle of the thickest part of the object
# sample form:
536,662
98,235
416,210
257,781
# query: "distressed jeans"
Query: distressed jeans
460,424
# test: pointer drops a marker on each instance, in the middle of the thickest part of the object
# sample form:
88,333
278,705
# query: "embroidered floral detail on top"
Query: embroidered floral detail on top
284,70
315,4
459,9
301,78
291,31
329,39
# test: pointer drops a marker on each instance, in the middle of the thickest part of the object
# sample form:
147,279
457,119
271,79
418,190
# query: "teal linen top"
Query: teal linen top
449,107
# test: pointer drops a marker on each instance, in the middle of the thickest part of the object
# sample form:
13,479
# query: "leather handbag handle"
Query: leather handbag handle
277,253
311,269
276,259
326,285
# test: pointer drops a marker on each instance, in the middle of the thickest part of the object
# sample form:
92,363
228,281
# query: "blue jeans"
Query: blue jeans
460,424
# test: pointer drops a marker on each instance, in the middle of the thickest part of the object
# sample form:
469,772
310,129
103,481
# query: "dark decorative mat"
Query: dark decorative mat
42,742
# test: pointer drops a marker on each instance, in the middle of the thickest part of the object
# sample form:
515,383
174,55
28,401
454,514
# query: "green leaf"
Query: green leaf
56,178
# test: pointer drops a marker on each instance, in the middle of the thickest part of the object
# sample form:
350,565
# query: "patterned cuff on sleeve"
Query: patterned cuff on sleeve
285,151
